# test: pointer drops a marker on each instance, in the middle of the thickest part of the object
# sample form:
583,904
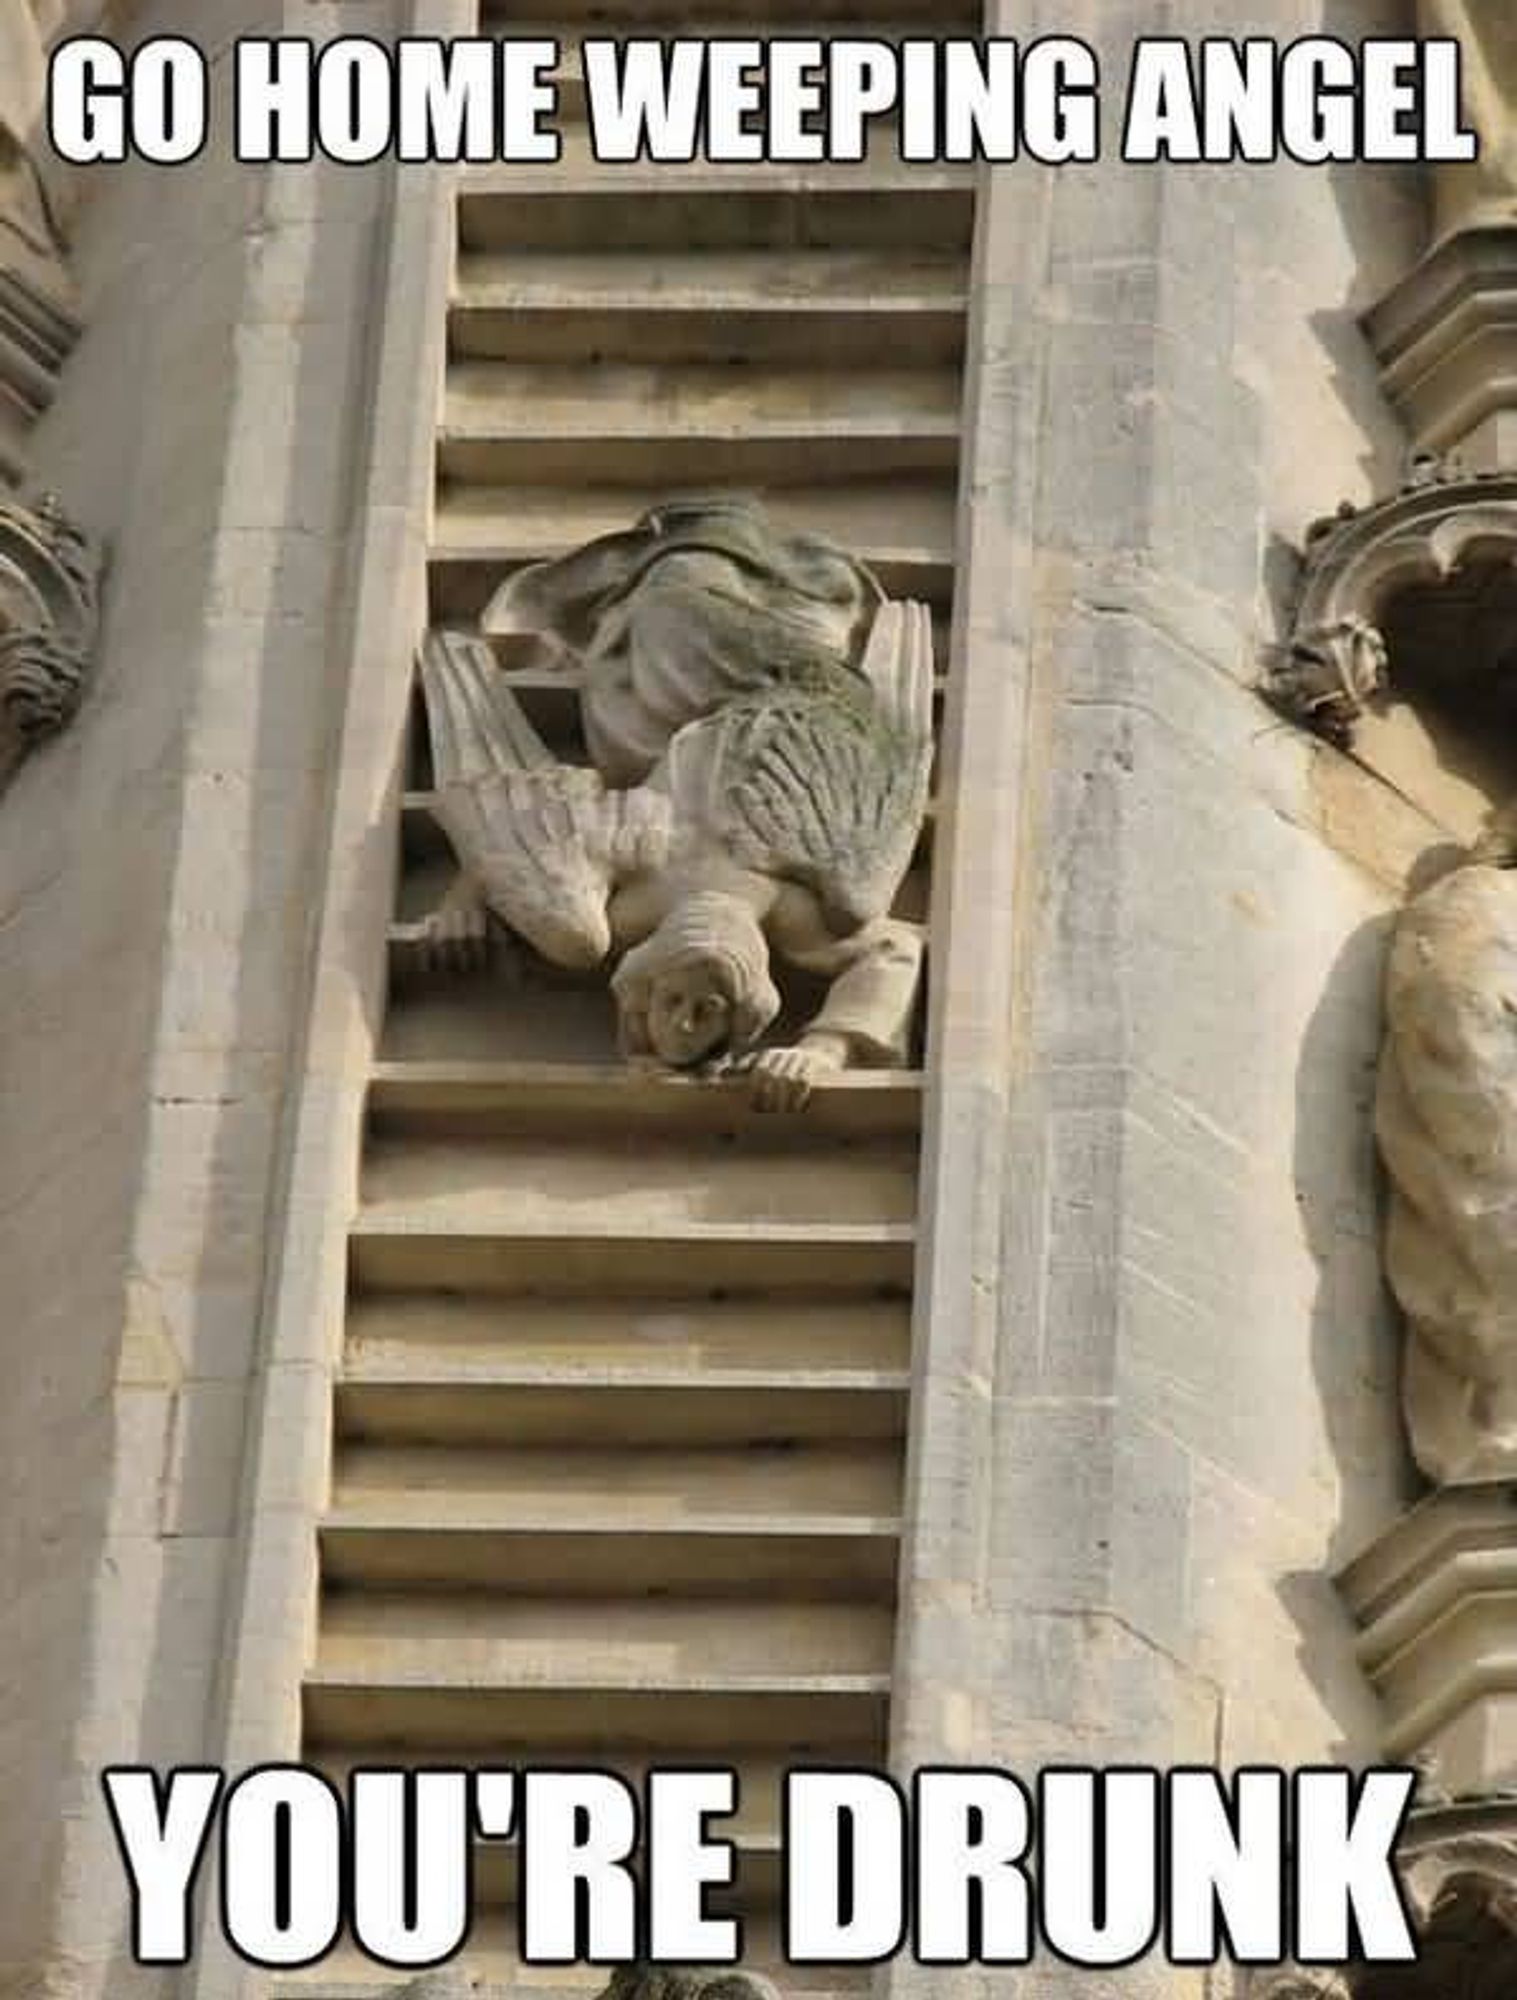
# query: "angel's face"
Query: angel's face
689,1014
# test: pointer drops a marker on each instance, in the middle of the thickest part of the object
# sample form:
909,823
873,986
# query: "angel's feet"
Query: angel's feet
783,1079
455,938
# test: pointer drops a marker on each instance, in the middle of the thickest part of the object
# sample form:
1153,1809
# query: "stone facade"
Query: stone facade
393,1370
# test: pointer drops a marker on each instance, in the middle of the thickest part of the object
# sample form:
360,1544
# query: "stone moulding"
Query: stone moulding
38,331
49,582
1435,1602
1446,341
1295,1982
627,1982
1334,661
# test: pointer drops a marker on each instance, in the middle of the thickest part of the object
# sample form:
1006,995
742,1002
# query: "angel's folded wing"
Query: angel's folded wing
546,841
897,664
823,783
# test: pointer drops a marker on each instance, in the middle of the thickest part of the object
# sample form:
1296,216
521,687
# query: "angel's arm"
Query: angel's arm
865,1020
872,997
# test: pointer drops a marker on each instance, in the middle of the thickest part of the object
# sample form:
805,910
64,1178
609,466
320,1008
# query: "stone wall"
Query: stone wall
159,873
1156,1366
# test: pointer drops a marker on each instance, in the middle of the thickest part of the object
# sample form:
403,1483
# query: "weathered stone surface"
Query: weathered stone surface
1446,1119
48,583
1459,1875
661,1982
1484,190
38,323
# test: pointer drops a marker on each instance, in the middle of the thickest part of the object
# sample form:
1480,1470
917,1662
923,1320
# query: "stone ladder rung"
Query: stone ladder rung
651,1174
820,1520
880,203
694,425
831,1560
745,1371
682,1716
518,1407
487,1098
903,530
400,1253
818,307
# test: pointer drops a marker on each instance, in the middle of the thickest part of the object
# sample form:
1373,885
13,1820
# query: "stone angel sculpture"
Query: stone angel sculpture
752,795
1446,1121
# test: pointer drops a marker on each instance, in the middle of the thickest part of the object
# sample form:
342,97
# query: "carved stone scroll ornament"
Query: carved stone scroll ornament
688,1982
1460,1890
759,719
627,1982
38,319
1294,1982
1334,661
49,575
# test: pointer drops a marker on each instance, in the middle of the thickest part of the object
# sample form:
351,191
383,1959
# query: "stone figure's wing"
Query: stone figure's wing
546,841
897,664
822,782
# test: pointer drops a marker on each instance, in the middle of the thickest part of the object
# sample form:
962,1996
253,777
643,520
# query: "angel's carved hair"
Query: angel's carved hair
717,932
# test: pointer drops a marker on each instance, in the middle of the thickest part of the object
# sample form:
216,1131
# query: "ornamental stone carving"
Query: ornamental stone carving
38,318
49,574
1294,1982
758,719
688,1982
1446,1120
1334,662
1458,1874
627,1982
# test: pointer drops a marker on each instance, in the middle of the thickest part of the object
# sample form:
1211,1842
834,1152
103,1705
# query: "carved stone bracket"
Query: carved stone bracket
49,579
1459,1876
627,1982
1296,1982
1435,1601
1335,659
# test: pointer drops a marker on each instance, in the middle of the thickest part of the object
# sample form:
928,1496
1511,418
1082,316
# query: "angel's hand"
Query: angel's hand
783,1079
716,1069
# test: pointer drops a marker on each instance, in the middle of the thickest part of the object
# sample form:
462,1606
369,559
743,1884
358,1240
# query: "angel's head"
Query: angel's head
698,987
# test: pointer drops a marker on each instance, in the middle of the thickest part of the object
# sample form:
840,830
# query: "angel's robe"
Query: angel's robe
1446,1120
701,601
871,1001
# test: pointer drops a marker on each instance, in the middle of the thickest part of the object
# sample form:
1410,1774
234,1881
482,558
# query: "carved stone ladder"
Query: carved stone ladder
621,1425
